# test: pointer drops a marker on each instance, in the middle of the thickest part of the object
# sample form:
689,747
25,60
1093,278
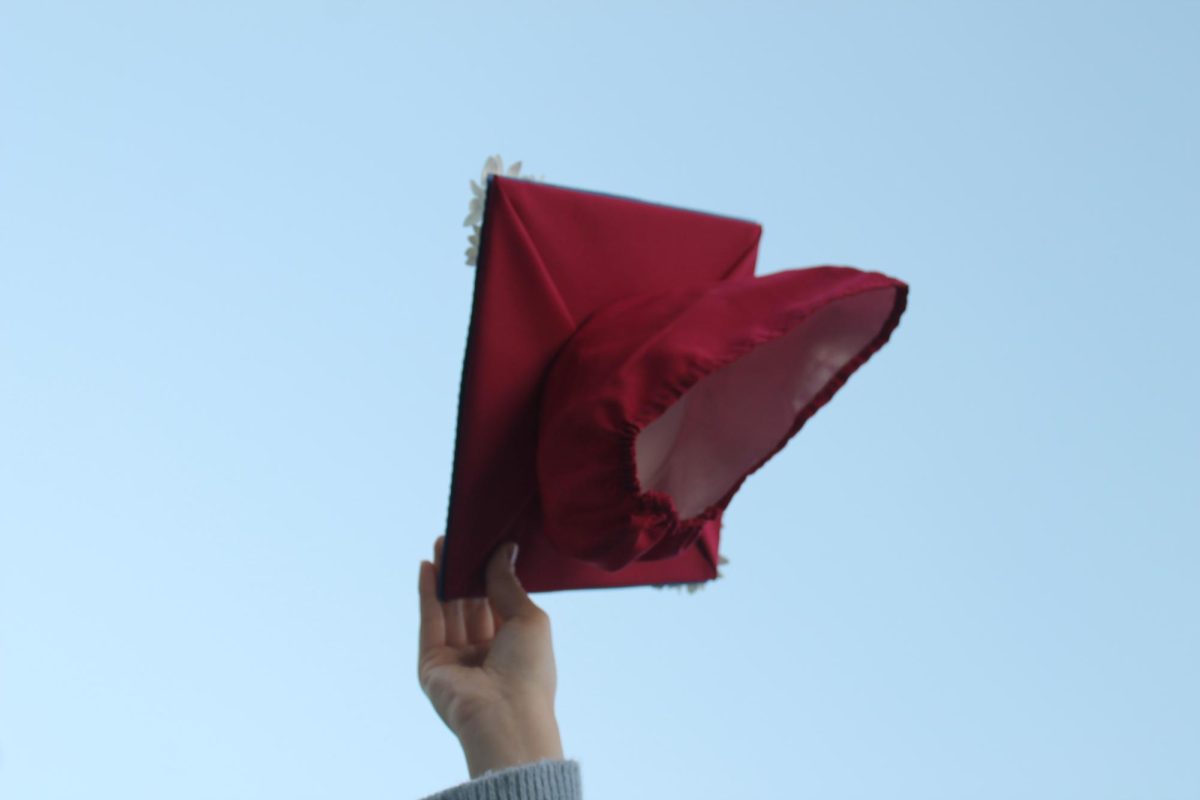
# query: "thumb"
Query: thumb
504,590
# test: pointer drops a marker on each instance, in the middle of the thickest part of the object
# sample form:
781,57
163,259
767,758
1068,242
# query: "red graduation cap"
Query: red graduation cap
625,371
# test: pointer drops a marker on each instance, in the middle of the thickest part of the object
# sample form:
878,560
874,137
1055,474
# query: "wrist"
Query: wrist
509,740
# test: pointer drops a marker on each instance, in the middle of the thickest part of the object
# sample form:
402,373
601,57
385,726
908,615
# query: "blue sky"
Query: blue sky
233,308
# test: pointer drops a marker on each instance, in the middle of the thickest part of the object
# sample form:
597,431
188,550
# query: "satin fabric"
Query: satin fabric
592,315
661,405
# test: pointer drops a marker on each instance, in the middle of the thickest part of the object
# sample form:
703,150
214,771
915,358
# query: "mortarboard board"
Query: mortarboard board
625,371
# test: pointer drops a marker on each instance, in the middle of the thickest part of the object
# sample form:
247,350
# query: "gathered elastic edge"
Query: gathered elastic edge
658,404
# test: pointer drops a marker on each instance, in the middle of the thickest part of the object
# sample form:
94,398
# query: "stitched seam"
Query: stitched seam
540,261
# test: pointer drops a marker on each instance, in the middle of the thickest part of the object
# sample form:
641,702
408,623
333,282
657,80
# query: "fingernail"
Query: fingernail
512,556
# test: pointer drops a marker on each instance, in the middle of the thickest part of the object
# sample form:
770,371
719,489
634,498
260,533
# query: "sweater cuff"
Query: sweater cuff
548,779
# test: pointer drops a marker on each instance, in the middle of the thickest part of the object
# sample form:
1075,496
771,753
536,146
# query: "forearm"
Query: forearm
509,740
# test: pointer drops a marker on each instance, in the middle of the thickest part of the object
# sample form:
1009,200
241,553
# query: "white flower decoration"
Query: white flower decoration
692,588
493,166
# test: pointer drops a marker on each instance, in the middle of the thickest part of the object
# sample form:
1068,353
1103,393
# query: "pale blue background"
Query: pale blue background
233,307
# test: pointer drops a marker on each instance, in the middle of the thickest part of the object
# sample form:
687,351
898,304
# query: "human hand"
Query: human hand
487,665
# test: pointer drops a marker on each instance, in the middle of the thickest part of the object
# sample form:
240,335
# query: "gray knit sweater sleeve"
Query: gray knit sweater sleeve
541,780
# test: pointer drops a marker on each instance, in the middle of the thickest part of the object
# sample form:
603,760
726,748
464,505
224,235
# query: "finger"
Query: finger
452,610
504,590
480,627
433,622
456,627
439,546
